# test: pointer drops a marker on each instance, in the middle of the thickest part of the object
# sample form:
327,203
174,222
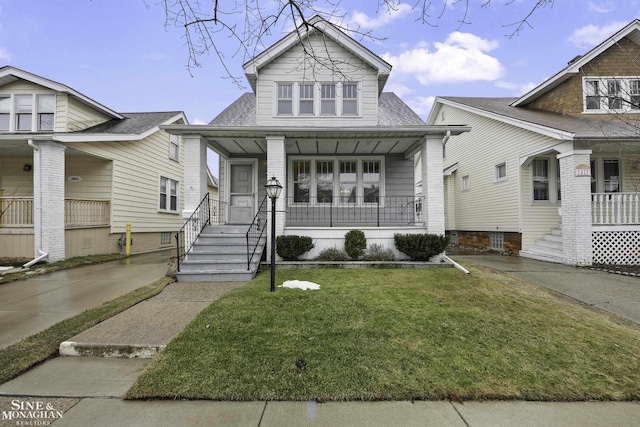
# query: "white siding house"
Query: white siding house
341,147
74,173
553,174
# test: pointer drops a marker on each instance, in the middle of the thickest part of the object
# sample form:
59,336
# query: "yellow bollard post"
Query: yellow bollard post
127,242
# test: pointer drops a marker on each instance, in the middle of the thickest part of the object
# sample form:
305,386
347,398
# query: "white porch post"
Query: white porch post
48,199
433,185
195,173
276,166
576,207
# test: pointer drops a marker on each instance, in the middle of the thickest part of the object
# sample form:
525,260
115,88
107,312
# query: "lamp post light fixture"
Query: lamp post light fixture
273,191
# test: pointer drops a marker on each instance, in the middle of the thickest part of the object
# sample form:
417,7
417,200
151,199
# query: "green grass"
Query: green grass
397,335
20,357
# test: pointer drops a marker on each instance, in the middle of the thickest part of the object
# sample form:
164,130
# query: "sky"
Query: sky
122,53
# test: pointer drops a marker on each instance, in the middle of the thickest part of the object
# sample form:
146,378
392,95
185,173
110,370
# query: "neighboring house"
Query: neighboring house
341,147
74,173
553,174
212,190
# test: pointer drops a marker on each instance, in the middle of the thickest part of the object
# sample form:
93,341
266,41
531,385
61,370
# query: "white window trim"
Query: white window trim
604,105
465,183
336,179
168,200
497,178
34,112
598,175
553,181
317,100
174,141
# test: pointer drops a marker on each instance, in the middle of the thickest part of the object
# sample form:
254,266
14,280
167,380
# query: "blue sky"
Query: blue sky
121,54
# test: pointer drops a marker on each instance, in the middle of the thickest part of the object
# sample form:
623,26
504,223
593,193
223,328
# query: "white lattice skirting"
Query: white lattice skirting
616,247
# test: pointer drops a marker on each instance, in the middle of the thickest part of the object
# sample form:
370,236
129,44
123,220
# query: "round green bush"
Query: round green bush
420,247
291,247
355,243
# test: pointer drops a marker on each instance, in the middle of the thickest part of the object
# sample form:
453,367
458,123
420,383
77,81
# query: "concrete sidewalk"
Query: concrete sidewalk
79,391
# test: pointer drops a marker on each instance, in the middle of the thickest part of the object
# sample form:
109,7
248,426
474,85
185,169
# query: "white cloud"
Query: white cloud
422,105
600,6
199,122
592,35
460,58
517,88
384,17
4,54
399,89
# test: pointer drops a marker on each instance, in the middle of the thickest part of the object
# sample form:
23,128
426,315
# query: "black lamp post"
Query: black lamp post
273,191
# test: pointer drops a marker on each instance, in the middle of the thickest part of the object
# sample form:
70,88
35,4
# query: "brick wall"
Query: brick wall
480,240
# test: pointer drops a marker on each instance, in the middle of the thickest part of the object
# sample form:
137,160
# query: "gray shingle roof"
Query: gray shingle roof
392,111
133,123
584,126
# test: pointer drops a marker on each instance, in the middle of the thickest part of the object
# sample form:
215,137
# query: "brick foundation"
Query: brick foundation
480,240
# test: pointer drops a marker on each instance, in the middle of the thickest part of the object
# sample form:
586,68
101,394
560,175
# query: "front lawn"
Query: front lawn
396,335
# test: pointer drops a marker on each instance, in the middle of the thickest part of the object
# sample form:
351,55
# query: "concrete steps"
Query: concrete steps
220,255
548,248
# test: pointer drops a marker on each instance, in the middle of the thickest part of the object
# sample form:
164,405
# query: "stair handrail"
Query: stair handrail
256,230
192,228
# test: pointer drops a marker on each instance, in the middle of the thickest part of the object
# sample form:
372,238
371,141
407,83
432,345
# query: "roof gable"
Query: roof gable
631,32
316,24
10,74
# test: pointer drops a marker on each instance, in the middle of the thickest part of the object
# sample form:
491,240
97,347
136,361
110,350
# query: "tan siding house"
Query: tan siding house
74,173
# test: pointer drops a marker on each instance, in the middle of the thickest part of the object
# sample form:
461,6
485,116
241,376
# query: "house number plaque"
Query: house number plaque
583,170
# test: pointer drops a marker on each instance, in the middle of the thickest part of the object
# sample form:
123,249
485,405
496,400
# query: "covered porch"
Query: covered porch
333,179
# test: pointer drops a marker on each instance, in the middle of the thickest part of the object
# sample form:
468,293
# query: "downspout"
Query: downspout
41,254
455,264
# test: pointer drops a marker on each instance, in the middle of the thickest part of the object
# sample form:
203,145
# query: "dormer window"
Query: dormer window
27,112
317,99
328,99
611,94
285,99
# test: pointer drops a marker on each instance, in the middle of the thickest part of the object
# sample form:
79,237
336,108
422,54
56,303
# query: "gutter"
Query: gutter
41,254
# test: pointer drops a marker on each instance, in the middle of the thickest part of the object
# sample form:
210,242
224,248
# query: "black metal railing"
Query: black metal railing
255,231
217,210
363,211
186,237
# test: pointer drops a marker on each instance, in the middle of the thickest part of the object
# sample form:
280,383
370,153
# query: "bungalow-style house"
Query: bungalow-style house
553,174
317,119
74,173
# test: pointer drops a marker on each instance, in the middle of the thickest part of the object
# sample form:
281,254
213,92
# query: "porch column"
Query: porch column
576,207
433,185
195,172
277,166
48,199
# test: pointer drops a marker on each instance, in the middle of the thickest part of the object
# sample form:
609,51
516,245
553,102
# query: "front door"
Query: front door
241,194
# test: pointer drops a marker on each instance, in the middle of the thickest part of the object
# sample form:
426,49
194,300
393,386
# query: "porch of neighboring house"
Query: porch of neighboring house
87,226
601,214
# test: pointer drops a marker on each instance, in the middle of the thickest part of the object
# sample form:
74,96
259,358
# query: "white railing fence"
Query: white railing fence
18,212
615,208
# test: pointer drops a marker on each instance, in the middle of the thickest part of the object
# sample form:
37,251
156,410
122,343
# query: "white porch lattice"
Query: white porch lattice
616,247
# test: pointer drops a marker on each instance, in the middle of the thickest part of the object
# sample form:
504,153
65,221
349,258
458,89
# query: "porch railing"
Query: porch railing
256,230
193,226
615,208
217,210
18,212
363,211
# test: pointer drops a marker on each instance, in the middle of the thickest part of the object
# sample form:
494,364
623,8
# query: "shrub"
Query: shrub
291,247
420,247
333,254
355,244
377,252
